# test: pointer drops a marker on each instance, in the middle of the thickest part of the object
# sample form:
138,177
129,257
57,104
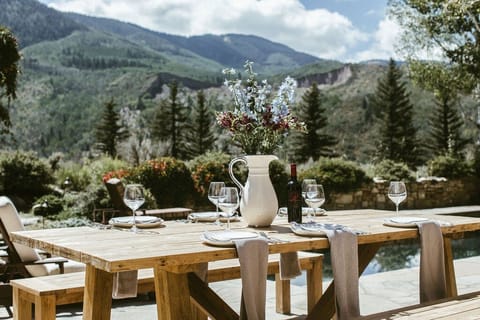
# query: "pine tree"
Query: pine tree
397,135
200,134
445,125
170,122
109,131
9,70
314,143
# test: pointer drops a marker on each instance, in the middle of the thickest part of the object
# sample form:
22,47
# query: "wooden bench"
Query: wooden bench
45,293
465,306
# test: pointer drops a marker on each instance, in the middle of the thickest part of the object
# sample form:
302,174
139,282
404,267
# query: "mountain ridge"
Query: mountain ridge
68,75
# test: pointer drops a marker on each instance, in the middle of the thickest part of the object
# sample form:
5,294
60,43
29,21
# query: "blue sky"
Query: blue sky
345,30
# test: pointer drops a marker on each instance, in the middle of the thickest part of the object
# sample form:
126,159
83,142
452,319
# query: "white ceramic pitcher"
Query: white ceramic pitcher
258,203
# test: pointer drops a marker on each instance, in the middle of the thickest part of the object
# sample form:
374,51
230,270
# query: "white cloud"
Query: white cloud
383,44
319,32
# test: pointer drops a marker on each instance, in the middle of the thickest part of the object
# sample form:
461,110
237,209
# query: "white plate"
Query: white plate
404,221
282,211
226,238
141,222
210,216
314,229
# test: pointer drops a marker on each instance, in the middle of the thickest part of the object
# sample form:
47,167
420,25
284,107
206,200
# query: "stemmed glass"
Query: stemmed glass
214,194
305,184
228,202
397,192
315,196
134,197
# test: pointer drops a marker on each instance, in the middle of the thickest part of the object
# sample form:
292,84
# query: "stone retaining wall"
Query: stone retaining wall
421,195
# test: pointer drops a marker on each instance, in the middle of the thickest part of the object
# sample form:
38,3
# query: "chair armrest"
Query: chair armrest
57,260
44,254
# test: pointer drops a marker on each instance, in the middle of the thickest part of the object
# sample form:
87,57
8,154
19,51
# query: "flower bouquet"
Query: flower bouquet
260,118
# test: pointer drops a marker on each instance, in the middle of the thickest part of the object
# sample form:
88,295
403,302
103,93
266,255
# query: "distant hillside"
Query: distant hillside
33,22
227,50
72,64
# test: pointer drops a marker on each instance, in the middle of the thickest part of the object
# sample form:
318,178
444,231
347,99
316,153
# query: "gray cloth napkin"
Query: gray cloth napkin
344,253
253,257
125,284
289,265
432,262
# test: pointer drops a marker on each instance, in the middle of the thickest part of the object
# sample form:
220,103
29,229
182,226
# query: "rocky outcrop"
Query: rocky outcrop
333,77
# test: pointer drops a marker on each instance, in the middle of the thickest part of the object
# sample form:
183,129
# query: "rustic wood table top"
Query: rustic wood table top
177,245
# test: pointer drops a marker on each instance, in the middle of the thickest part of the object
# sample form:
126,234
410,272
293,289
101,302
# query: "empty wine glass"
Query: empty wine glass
214,193
397,192
305,184
314,197
134,197
228,202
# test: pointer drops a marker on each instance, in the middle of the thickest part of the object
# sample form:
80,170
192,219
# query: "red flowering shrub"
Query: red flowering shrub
205,169
122,173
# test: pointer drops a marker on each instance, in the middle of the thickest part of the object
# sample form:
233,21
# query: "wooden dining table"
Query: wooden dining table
176,251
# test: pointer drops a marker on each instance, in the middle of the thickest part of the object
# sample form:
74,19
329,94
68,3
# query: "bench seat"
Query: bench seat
466,306
45,293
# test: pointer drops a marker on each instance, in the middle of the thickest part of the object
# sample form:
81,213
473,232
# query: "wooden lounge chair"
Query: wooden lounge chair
23,261
116,189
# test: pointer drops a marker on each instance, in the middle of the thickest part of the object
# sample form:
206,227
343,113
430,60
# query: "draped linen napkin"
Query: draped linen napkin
125,284
253,257
289,265
344,253
432,262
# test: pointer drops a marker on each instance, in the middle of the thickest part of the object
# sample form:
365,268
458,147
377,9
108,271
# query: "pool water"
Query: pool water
402,255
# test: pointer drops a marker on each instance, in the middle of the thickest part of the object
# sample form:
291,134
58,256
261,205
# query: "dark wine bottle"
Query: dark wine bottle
294,196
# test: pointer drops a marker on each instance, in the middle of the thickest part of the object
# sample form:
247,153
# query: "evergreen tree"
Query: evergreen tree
314,143
397,135
170,122
109,131
9,69
445,125
200,131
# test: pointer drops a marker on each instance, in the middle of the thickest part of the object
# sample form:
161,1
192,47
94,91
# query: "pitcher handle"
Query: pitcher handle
232,176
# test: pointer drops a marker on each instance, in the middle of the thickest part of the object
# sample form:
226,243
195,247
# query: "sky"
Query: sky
344,30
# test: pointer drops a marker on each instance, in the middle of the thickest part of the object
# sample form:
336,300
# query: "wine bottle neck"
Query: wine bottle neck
293,171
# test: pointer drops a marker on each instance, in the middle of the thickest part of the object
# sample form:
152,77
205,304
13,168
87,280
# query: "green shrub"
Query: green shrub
23,175
48,206
205,169
279,178
393,171
168,179
77,175
87,191
335,174
449,167
476,161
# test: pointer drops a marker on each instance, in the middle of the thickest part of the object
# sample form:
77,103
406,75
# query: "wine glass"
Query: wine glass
228,202
305,184
397,192
314,196
214,194
134,197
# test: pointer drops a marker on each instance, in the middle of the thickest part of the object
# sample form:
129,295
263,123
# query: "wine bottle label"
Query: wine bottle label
294,207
